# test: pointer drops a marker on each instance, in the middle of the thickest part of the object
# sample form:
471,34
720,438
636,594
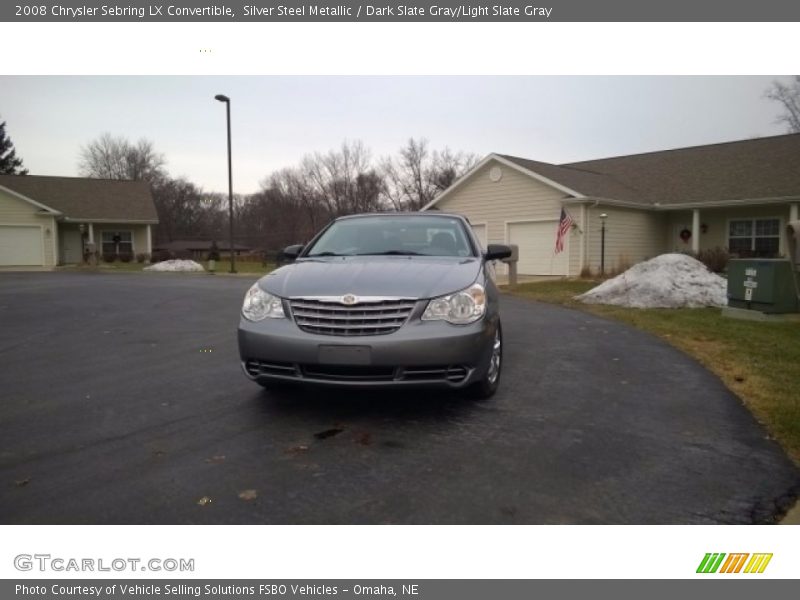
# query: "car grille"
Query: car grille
365,318
258,367
453,374
348,373
355,374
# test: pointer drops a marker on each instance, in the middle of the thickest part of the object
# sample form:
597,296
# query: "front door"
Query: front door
71,245
680,244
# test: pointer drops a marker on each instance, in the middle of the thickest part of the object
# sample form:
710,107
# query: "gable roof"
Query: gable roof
586,182
79,198
745,170
766,167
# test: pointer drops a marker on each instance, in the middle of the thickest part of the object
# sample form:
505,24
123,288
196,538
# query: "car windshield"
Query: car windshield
393,235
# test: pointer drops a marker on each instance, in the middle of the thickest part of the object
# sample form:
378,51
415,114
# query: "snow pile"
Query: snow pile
175,265
666,281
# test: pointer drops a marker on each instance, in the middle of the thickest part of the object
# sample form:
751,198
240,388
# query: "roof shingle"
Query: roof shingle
752,169
90,199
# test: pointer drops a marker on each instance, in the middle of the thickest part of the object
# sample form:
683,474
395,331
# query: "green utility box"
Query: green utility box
764,284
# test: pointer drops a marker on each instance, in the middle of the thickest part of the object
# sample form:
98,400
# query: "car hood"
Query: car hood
402,276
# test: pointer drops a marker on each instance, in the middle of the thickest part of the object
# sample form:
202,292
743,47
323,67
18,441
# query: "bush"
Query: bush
623,264
142,257
126,257
109,258
715,259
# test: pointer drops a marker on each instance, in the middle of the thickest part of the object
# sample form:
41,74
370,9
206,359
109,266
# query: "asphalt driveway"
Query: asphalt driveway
122,401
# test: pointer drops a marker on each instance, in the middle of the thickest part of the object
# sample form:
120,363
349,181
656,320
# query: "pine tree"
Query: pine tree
9,163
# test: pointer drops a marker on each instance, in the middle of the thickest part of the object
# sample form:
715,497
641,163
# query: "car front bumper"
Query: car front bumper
420,353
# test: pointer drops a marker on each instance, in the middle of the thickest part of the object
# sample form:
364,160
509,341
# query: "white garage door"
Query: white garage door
480,233
537,242
20,245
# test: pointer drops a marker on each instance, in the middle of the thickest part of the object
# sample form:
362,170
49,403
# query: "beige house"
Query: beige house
49,221
735,195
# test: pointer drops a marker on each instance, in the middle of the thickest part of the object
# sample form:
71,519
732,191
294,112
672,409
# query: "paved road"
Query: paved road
123,402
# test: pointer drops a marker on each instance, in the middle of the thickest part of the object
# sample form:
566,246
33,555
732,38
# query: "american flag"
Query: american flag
564,223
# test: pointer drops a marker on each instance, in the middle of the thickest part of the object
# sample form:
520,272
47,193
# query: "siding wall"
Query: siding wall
631,236
14,211
139,235
516,197
717,221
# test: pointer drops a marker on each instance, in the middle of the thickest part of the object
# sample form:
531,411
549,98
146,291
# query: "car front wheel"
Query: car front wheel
486,387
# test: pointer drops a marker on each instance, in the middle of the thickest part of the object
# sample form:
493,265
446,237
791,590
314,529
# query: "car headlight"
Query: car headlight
460,308
259,305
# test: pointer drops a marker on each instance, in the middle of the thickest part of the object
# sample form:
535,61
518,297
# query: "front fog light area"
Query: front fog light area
259,305
460,308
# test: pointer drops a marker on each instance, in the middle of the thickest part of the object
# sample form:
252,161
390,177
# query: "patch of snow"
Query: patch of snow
175,265
666,281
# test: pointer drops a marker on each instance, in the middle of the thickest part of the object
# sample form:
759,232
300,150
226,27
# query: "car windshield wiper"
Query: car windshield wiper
326,254
390,253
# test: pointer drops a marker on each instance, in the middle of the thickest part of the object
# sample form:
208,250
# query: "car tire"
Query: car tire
486,387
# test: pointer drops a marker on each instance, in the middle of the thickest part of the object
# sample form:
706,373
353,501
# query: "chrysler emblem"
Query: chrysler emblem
349,299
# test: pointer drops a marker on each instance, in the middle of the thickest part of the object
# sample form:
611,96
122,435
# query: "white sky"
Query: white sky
276,120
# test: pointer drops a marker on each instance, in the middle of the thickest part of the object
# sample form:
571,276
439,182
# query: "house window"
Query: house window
117,242
755,237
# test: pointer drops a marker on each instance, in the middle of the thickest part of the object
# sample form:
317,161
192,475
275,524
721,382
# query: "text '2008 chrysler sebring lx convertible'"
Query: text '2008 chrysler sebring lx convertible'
394,300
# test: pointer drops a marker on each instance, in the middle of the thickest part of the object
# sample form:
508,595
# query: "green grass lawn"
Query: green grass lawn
758,361
224,266
116,266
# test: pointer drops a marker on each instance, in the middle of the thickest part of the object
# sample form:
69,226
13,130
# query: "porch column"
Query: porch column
696,230
793,212
584,227
91,233
149,239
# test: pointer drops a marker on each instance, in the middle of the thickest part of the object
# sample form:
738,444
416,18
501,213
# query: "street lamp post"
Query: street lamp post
227,101
603,218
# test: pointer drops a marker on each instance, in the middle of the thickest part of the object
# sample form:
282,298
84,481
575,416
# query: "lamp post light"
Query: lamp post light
227,101
603,217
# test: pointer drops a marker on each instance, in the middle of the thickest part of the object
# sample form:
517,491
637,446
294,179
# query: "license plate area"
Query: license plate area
344,355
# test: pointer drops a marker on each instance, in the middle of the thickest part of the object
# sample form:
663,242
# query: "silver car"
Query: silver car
389,299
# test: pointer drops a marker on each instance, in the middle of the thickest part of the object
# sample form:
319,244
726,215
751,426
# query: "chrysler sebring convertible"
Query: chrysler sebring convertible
395,299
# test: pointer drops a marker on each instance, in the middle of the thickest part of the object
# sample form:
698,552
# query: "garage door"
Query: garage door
537,242
480,232
21,246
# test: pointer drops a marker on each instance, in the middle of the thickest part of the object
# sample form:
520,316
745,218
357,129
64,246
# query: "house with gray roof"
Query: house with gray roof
734,195
49,221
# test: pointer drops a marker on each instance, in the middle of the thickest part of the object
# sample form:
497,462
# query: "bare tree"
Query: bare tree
296,190
340,179
178,203
448,166
294,203
789,97
110,157
417,175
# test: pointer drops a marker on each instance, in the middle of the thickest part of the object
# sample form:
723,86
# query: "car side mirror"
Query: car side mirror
497,252
293,251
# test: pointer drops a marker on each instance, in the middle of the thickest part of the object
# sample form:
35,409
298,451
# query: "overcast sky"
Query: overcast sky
277,120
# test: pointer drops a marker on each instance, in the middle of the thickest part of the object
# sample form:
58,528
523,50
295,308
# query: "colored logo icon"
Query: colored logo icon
719,562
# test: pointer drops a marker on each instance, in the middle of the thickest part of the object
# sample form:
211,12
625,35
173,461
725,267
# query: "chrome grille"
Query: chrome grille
258,367
451,373
364,318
